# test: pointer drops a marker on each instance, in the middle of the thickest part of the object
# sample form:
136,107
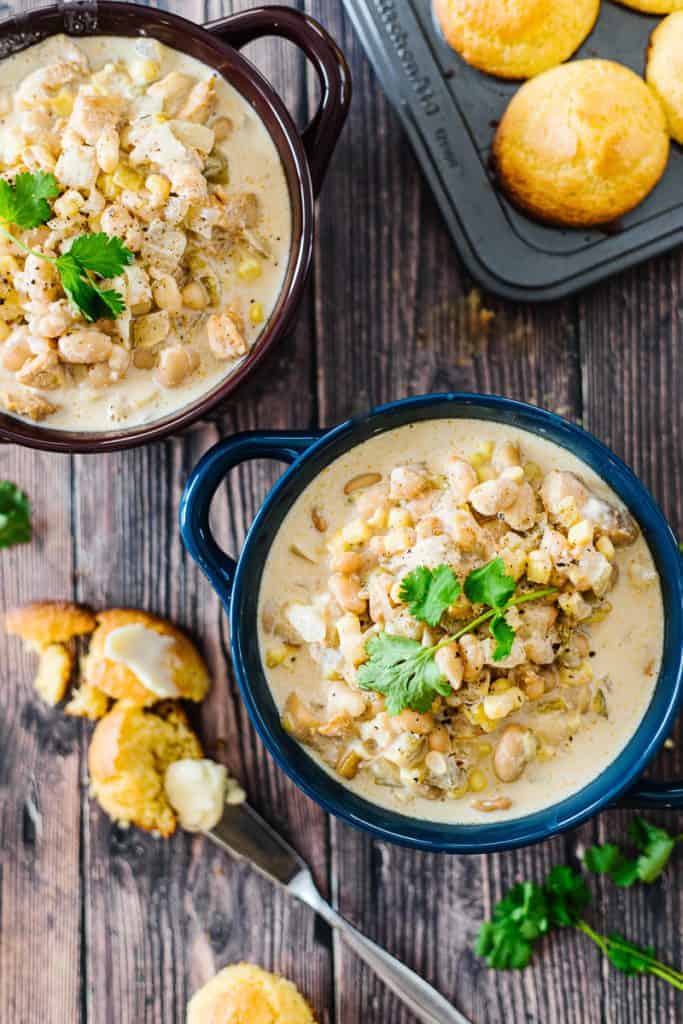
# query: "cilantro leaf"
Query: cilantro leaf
15,515
627,957
567,894
504,635
104,255
94,254
24,202
521,917
490,585
609,859
655,846
403,671
429,592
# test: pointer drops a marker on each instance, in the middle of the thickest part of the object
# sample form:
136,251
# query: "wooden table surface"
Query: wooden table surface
98,924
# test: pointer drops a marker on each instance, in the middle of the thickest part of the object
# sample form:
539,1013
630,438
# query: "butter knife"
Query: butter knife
245,835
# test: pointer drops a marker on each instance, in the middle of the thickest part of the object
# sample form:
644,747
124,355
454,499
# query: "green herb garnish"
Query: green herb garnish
654,846
429,592
404,671
15,515
528,911
25,204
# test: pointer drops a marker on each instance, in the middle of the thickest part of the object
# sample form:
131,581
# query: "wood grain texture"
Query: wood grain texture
106,926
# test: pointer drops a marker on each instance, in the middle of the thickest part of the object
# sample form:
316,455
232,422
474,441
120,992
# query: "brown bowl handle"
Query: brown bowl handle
321,135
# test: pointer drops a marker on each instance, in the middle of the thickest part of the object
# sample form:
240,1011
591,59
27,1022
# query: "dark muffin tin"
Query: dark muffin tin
450,112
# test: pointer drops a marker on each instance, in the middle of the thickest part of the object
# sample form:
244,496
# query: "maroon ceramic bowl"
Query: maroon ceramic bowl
304,157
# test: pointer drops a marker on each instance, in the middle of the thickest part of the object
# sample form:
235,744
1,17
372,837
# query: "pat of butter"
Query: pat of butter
196,791
146,653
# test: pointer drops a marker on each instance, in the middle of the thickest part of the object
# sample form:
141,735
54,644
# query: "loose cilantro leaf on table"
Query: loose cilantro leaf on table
429,592
15,515
24,202
529,911
654,846
403,671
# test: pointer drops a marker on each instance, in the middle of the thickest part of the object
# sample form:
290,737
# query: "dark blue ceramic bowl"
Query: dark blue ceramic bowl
237,584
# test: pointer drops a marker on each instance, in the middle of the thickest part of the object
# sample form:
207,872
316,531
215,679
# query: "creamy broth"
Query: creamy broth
625,647
254,167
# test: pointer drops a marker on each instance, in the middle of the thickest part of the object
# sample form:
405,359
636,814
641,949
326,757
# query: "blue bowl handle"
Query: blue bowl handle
653,796
219,567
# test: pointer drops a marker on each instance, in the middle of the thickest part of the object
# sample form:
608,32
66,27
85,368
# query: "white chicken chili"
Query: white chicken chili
130,140
460,621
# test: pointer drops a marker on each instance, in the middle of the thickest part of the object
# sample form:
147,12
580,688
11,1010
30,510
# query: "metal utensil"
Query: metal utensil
246,836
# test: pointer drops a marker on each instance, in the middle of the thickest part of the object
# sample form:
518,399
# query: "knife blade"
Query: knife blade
246,836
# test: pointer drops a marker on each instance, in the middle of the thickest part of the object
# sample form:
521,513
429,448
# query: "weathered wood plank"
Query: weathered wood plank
40,894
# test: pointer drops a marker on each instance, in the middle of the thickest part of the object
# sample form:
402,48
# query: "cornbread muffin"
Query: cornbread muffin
167,664
518,38
49,622
653,6
246,994
665,70
581,144
130,751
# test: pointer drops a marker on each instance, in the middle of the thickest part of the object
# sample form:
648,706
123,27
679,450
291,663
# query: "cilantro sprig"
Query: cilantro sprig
25,203
15,515
654,846
529,911
407,673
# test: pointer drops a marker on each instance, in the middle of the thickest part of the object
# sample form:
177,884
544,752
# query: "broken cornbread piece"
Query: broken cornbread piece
129,754
42,623
54,671
143,659
87,702
244,993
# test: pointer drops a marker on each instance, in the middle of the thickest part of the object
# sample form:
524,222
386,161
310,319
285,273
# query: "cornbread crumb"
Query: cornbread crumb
247,994
54,671
87,702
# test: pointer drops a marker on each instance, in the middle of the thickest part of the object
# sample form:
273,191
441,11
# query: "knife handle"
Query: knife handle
425,1002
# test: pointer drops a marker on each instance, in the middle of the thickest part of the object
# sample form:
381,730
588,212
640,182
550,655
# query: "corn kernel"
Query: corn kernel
600,613
159,186
107,186
378,519
161,118
145,71
457,792
515,563
580,535
249,269
126,177
568,513
398,540
277,655
477,716
532,471
400,517
485,472
356,532
539,566
62,103
605,546
484,749
256,313
501,685
69,203
576,676
476,781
